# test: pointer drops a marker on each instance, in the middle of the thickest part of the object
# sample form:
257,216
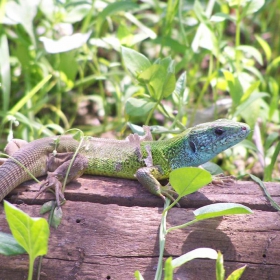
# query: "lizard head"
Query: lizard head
206,140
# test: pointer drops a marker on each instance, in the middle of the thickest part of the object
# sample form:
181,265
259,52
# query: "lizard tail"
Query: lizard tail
11,175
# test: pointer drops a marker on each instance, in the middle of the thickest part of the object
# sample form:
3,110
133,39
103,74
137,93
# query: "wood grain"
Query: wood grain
110,229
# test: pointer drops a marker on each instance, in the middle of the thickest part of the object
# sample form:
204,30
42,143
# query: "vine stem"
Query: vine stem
30,270
162,238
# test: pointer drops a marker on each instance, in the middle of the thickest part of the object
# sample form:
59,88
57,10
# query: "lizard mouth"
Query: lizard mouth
243,132
229,136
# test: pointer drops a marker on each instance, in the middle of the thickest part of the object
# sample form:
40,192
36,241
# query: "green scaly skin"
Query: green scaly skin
121,158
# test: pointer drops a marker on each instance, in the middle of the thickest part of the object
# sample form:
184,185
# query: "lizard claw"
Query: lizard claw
221,180
52,181
166,191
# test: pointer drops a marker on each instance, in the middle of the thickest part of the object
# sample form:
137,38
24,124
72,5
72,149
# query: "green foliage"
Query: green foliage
9,246
135,62
186,185
63,64
194,254
220,271
158,78
47,207
30,233
220,209
201,253
56,213
213,168
196,178
235,275
187,180
273,203
57,217
138,275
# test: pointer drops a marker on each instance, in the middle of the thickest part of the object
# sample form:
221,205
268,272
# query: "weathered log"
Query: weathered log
110,229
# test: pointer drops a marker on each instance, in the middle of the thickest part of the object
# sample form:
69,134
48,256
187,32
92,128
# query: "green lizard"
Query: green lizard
135,157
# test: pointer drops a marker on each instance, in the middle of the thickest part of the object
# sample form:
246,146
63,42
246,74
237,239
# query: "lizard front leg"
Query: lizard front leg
147,176
57,170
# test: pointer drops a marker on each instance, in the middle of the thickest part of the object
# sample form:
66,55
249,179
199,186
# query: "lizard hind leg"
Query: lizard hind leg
58,166
14,145
52,182
222,179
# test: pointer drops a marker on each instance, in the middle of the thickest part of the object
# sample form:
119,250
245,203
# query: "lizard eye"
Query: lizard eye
219,131
192,145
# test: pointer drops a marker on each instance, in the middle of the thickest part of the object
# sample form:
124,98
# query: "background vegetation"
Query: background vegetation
61,66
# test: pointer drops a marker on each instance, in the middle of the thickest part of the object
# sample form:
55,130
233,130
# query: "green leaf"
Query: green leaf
169,85
248,102
249,6
204,38
261,184
138,107
168,270
56,217
219,17
136,128
138,275
159,129
270,139
76,11
167,63
9,246
254,71
23,12
5,71
213,168
181,84
236,274
187,180
124,35
249,145
251,51
250,90
113,8
205,253
154,76
173,44
134,61
48,8
220,271
65,43
273,64
220,209
169,82
161,81
235,88
252,6
274,102
265,46
200,13
47,207
29,95
2,10
68,64
31,233
169,15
